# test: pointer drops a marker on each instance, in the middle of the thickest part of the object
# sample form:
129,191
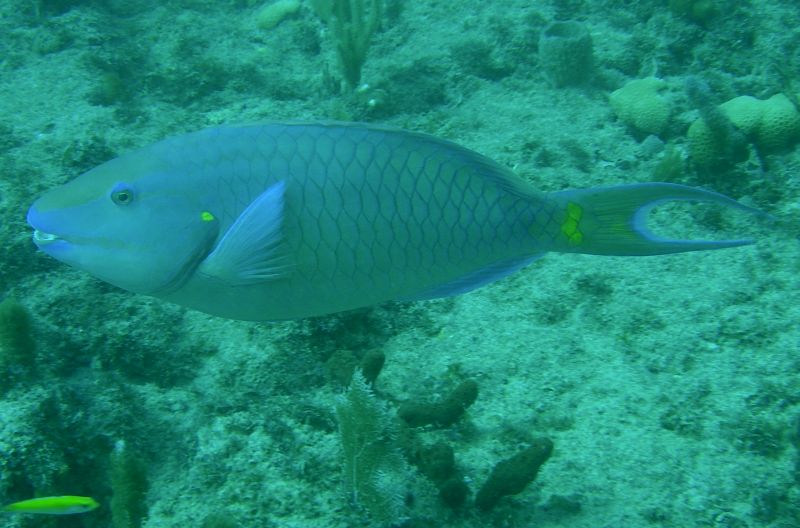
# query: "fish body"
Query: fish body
289,220
60,505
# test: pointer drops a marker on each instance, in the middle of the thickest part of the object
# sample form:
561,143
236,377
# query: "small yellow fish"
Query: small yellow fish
62,505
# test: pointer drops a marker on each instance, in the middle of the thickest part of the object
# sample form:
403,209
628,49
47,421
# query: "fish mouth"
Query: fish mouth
40,238
46,240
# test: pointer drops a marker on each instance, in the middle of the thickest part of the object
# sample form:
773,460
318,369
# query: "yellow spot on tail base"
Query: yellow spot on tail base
205,216
571,224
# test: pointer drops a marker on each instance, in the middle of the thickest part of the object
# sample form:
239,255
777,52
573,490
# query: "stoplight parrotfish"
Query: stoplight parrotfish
289,220
60,505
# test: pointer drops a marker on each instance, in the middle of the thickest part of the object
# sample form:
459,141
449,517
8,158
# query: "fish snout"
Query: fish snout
42,231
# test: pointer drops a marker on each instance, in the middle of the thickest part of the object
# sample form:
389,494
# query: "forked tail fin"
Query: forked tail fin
611,220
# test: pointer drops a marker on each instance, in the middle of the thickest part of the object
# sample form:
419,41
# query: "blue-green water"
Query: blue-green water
668,385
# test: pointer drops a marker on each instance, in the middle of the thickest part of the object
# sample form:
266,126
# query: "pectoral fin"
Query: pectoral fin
253,248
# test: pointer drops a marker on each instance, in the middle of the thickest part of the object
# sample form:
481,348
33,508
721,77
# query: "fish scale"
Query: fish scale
288,220
417,242
399,191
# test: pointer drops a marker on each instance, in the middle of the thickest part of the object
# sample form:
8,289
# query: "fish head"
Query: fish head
132,222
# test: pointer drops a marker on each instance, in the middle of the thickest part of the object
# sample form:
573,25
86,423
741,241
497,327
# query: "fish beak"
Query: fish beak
44,240
40,238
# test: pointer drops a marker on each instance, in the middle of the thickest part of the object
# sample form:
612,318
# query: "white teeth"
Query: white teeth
41,237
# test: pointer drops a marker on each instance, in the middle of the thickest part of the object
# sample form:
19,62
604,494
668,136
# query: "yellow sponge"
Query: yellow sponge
639,105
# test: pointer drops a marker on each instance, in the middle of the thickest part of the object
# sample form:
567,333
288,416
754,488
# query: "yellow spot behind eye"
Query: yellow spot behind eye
571,224
205,216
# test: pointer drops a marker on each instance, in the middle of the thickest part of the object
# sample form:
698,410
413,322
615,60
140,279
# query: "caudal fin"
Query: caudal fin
611,220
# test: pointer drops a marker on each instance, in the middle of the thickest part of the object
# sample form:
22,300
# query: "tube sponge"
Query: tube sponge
443,413
565,53
513,475
639,105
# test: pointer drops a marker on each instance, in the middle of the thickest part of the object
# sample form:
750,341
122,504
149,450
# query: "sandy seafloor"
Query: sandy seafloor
669,385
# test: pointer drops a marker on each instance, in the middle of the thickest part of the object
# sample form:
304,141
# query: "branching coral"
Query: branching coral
129,484
373,467
352,24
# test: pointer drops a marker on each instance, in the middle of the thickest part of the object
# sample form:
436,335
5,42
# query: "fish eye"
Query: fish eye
121,195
